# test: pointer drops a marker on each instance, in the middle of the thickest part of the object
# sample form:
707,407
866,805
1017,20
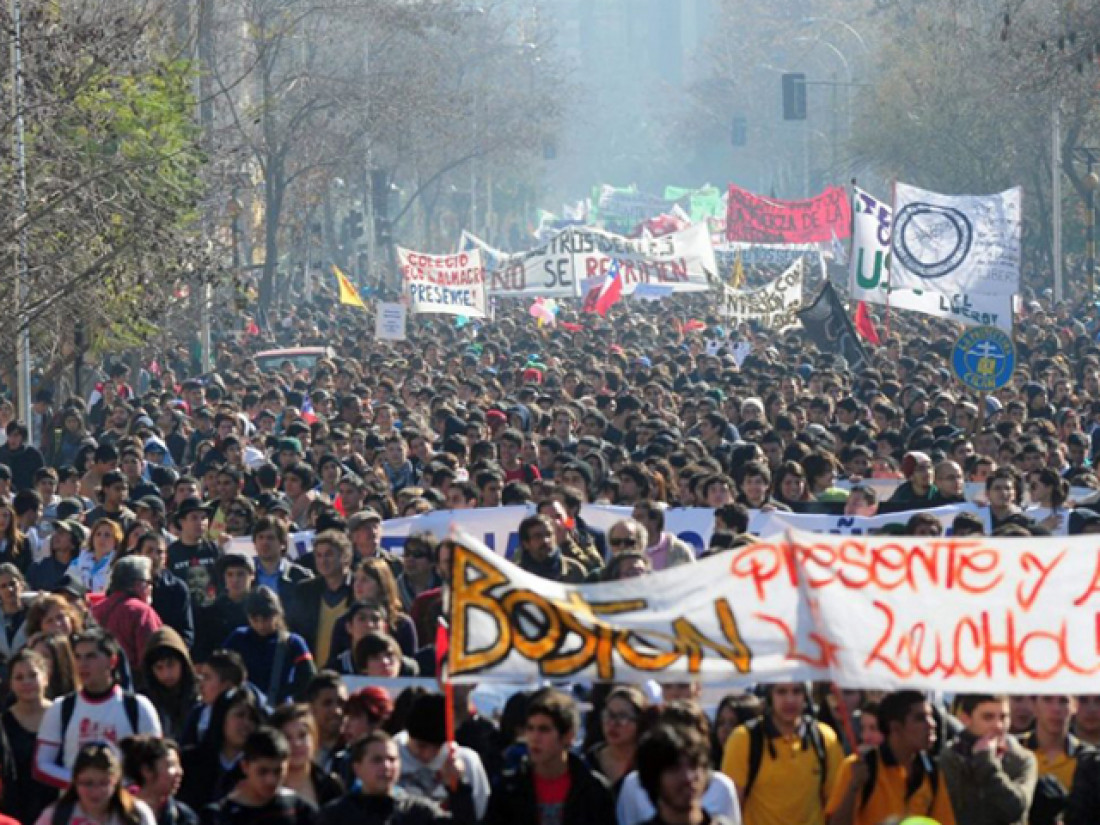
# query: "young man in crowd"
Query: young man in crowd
376,763
900,777
99,712
551,786
674,767
797,760
259,797
990,777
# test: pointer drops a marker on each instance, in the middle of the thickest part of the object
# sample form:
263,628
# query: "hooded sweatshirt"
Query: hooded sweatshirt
422,778
172,704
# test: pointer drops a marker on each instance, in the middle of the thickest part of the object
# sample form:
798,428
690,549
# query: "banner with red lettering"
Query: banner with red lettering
444,284
756,219
964,615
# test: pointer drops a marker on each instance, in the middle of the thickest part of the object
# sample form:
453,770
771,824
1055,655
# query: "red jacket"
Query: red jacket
130,620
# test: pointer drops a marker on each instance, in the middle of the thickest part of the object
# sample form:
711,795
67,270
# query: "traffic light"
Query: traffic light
794,96
355,224
739,131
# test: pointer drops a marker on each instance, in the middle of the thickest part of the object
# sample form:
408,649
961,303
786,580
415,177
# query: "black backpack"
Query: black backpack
1051,796
68,708
758,740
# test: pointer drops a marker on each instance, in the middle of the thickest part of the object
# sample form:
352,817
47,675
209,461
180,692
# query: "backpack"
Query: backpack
930,769
758,739
1049,801
68,708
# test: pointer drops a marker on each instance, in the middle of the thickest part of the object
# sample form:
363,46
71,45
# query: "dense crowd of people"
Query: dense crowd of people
171,654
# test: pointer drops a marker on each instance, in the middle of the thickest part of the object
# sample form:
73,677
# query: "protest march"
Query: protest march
484,482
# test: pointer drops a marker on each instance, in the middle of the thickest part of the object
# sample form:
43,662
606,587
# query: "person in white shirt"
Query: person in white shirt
99,712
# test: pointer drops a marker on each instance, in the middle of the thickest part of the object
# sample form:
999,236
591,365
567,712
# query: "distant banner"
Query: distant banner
774,306
775,523
444,284
622,208
956,245
756,219
1009,617
869,270
763,254
683,260
701,204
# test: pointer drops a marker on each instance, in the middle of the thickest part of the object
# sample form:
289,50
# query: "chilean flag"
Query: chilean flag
600,299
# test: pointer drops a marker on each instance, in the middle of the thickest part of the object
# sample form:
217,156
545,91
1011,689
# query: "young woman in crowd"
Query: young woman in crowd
14,547
28,675
211,768
96,795
13,610
304,776
624,720
373,580
94,563
57,651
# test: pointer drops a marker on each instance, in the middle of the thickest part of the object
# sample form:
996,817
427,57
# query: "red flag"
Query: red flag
570,326
865,326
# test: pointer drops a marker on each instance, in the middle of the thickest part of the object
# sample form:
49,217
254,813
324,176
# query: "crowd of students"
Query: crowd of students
171,656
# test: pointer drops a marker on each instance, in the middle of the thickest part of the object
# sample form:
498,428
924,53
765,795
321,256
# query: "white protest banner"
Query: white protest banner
627,207
508,625
495,527
956,245
682,260
775,523
869,270
389,322
1010,617
773,306
762,254
444,284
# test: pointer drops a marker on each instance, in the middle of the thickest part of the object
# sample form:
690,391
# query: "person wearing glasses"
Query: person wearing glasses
623,722
127,613
97,793
627,536
419,574
663,548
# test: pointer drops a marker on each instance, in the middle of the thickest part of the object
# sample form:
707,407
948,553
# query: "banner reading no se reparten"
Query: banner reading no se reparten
1008,616
756,219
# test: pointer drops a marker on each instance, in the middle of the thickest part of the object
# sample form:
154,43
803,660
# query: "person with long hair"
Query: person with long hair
1048,492
14,546
94,563
211,768
304,776
754,483
28,674
154,766
623,720
13,609
50,613
96,794
278,662
789,484
169,679
373,580
57,650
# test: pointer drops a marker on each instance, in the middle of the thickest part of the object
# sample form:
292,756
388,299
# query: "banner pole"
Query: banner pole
845,717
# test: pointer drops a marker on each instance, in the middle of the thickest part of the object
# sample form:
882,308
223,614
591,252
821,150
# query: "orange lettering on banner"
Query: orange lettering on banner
565,637
975,646
827,651
948,564
1027,562
1094,584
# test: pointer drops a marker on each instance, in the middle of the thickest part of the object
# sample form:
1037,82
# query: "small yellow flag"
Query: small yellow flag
348,294
737,280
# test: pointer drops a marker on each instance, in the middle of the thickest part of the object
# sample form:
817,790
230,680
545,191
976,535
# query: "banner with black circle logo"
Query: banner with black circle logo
956,245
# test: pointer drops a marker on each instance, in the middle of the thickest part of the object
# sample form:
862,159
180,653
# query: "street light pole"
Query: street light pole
1091,182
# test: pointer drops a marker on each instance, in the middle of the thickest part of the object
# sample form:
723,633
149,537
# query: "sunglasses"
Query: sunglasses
623,542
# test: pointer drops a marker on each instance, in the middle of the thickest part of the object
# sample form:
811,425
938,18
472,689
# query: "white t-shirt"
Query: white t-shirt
81,818
1040,514
422,779
634,806
93,720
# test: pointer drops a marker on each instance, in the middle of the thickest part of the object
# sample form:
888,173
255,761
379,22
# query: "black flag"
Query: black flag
827,324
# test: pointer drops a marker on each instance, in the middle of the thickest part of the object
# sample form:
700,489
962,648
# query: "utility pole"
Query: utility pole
204,42
22,267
